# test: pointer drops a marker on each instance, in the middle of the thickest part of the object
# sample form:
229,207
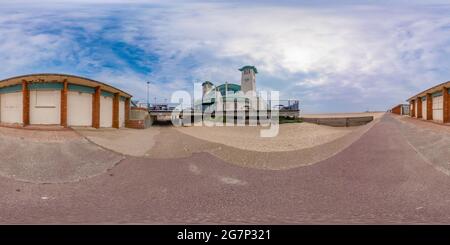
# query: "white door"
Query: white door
11,108
79,109
106,111
121,113
45,107
417,115
424,109
438,108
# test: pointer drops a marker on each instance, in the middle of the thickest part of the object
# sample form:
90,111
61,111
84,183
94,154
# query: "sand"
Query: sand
376,115
291,136
297,145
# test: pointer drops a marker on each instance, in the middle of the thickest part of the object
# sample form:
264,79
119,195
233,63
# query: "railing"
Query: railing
158,106
289,105
282,105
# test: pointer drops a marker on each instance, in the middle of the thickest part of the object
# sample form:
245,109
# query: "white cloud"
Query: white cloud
364,56
378,53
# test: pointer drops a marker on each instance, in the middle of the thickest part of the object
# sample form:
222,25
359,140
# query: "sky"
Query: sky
349,56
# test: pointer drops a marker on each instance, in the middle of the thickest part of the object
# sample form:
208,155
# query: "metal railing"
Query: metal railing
285,105
158,106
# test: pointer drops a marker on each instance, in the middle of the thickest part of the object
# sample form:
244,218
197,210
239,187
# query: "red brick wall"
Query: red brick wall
127,110
419,107
446,105
26,103
413,110
115,114
137,124
64,104
396,110
96,108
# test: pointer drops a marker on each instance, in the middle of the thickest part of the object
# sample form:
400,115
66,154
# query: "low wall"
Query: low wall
139,119
339,121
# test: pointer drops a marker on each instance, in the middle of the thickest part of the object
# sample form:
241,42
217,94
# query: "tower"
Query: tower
248,79
206,87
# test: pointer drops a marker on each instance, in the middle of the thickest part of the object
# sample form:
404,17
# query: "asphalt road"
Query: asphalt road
380,178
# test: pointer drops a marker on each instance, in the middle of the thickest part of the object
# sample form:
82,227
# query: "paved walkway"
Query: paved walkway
378,179
39,156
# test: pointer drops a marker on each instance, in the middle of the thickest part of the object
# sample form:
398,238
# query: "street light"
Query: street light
148,94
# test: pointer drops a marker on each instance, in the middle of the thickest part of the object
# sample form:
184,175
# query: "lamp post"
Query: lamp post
148,94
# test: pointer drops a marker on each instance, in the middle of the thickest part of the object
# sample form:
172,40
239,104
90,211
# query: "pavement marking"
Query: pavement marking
231,181
194,169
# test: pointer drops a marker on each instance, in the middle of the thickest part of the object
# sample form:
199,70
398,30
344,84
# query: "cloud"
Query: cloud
350,57
365,56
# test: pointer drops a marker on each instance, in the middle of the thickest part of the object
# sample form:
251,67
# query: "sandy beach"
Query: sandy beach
376,115
297,144
291,136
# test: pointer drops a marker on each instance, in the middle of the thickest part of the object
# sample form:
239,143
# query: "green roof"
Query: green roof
229,87
249,67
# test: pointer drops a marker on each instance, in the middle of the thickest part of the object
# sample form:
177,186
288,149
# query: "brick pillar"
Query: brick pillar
429,107
25,103
115,114
127,111
413,110
446,105
96,108
64,104
419,107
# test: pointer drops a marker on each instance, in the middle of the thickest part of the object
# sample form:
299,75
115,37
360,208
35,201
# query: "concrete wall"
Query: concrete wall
340,122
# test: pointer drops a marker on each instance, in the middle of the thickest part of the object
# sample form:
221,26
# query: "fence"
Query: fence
340,121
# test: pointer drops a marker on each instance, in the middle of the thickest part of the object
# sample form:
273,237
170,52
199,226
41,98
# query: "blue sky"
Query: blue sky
351,56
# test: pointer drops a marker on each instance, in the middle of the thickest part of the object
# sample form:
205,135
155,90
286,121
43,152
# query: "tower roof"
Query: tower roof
249,67
207,82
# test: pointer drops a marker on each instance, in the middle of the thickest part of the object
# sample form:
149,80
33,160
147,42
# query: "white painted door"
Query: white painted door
45,107
11,108
121,113
424,109
416,109
438,108
79,109
106,111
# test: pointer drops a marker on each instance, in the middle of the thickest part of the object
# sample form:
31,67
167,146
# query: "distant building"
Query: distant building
231,96
401,109
432,104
